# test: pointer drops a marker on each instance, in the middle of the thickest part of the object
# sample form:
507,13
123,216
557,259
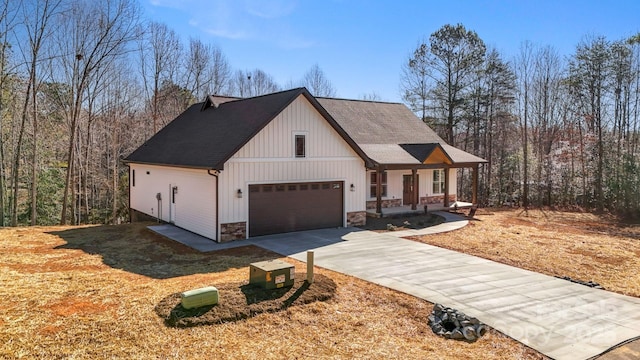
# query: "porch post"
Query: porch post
379,190
474,187
446,187
414,194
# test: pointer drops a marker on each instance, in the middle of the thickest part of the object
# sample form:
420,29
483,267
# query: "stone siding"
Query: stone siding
233,231
386,203
356,218
437,199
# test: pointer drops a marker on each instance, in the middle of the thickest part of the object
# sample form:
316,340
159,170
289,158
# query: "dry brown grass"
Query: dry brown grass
579,245
91,292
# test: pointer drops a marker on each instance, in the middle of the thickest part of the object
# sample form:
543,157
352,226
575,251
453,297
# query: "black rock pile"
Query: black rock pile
453,324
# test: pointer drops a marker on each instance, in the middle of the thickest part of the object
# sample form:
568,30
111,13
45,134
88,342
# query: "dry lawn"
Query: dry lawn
582,246
93,292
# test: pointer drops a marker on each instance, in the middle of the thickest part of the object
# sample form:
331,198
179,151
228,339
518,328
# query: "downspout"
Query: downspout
215,174
130,183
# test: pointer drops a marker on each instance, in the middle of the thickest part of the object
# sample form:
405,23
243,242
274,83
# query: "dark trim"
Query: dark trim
446,187
379,191
414,195
129,193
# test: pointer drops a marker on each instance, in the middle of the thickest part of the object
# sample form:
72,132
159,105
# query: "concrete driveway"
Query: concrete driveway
558,318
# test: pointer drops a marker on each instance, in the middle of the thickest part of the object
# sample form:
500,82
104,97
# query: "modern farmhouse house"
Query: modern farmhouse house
231,168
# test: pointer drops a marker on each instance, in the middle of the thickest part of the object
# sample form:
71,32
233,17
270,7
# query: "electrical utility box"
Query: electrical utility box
272,274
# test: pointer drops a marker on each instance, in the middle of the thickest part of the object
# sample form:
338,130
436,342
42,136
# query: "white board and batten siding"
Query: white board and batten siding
195,199
270,158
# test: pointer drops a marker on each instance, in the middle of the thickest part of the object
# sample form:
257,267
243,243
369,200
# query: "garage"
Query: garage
279,208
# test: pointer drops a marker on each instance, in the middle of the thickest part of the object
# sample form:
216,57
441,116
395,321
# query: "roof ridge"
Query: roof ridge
359,100
299,89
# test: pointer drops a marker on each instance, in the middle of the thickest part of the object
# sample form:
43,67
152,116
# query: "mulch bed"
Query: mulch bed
402,222
239,301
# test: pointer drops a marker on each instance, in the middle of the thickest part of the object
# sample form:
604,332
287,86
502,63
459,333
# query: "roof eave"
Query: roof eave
215,167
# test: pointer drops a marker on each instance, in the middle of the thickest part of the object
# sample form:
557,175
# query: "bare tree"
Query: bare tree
317,83
91,35
372,96
546,117
415,80
8,15
252,83
208,71
160,52
589,71
524,69
36,20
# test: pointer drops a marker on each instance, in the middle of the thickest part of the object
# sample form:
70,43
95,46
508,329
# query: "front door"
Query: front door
407,190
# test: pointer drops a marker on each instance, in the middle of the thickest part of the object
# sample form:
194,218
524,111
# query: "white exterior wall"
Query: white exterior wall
270,158
195,202
425,183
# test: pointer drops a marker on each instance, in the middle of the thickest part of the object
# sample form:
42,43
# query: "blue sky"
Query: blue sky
361,45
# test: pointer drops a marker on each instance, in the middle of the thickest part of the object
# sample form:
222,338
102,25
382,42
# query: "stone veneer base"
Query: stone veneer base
356,218
233,231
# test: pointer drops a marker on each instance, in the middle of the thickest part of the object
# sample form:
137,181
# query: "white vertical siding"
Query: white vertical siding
270,158
195,203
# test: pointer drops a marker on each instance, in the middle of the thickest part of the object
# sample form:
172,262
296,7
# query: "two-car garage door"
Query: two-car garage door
278,208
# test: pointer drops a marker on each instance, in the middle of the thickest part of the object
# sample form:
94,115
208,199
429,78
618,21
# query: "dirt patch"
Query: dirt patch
402,222
240,301
73,305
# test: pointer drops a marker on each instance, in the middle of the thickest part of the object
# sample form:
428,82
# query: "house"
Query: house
231,168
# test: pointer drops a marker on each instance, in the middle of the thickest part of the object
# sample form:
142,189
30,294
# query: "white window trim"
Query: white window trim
306,142
433,181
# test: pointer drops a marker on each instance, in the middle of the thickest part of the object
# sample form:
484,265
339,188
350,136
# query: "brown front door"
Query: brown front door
280,208
407,189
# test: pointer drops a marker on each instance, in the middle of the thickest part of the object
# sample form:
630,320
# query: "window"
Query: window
300,146
133,177
438,181
374,183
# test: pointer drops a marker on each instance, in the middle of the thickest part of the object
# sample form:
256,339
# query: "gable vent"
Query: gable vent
209,102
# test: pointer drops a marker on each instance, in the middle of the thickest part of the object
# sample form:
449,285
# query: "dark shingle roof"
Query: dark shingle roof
207,138
207,134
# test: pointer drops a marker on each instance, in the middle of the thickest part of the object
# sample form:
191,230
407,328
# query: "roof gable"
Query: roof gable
428,153
206,135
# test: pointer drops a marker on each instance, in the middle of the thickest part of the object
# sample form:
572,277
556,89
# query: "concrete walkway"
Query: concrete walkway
558,318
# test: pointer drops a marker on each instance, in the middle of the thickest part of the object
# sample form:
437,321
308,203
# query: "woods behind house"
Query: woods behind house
84,83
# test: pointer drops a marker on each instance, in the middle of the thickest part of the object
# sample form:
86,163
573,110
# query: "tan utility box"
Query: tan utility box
272,274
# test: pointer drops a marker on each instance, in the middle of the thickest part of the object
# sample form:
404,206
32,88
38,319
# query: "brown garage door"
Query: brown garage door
279,208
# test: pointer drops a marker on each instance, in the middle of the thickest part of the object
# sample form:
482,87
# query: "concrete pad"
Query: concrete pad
193,240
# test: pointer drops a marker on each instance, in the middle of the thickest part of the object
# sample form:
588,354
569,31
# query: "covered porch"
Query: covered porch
414,158
408,209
